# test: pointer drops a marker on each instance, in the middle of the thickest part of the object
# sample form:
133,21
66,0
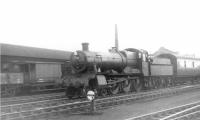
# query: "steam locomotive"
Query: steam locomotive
129,70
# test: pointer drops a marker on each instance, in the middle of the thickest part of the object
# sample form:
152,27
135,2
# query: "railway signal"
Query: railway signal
90,95
91,98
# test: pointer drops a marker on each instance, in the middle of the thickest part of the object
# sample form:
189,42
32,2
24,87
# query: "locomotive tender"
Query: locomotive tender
125,71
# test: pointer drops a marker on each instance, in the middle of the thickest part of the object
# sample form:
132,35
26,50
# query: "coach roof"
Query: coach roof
23,51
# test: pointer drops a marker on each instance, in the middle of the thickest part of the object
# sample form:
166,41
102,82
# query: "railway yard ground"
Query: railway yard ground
134,109
121,107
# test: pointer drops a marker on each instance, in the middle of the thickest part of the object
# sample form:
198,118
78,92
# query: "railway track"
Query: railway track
34,102
52,101
185,112
51,108
33,98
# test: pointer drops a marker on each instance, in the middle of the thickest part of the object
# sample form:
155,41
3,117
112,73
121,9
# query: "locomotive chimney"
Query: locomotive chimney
85,46
116,38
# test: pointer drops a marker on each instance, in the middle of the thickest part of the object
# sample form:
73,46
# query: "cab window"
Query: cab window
140,55
144,57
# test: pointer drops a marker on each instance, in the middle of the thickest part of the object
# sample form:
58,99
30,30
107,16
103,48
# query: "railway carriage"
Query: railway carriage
28,70
186,69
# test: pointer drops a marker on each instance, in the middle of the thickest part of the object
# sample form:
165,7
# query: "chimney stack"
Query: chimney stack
116,38
85,46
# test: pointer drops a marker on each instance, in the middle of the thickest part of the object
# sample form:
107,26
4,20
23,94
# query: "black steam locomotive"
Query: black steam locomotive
126,71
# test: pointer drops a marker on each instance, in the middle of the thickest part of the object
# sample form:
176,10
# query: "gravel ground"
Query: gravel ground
133,109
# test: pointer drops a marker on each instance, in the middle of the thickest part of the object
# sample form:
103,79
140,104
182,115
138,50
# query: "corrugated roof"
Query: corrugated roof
23,51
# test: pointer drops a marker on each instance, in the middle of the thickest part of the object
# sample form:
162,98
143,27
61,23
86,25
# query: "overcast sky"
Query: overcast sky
65,24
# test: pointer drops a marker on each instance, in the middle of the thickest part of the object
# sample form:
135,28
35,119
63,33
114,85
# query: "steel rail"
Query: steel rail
170,113
183,112
33,105
143,94
38,112
150,95
55,100
23,99
192,116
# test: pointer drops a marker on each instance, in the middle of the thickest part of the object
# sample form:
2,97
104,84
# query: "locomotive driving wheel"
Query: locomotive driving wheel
150,83
114,89
170,82
137,84
127,86
103,92
161,83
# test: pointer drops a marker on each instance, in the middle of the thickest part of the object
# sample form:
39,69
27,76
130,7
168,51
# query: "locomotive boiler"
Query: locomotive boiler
112,60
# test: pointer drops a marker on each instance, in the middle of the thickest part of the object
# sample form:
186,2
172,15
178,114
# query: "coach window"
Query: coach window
185,64
193,64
